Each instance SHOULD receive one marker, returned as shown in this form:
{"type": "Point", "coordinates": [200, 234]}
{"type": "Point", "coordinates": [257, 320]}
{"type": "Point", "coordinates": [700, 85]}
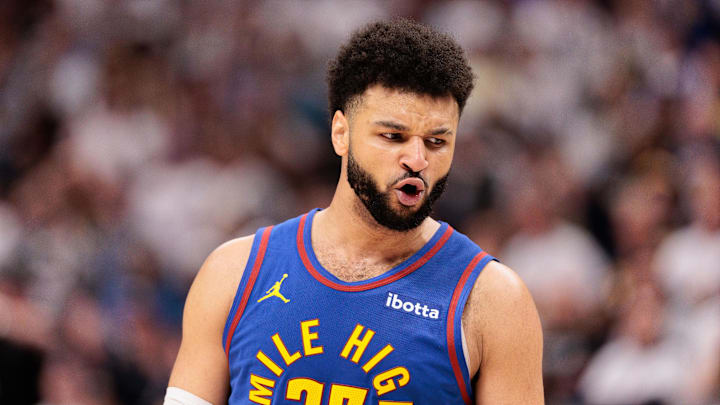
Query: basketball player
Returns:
{"type": "Point", "coordinates": [368, 301]}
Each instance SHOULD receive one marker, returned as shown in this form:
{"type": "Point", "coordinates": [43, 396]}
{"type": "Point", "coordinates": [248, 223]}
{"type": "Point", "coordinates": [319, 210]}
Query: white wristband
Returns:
{"type": "Point", "coordinates": [178, 396]}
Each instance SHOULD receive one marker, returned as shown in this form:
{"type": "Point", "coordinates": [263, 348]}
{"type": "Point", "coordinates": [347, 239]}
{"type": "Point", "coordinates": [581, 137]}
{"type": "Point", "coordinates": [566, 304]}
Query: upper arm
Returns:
{"type": "Point", "coordinates": [201, 366]}
{"type": "Point", "coordinates": [504, 329]}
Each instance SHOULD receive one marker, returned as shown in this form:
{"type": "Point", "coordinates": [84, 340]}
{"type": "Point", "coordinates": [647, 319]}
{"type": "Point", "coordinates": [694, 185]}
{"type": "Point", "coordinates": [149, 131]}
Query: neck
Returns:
{"type": "Point", "coordinates": [353, 232]}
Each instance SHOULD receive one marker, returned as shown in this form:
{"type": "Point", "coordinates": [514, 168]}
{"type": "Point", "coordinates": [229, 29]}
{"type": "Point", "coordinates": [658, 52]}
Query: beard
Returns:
{"type": "Point", "coordinates": [377, 203]}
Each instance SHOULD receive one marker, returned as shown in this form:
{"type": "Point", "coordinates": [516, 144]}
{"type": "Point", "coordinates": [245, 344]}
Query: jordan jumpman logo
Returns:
{"type": "Point", "coordinates": [274, 291]}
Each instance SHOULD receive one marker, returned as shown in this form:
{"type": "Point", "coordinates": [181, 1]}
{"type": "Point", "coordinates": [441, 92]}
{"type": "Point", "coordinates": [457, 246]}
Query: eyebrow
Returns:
{"type": "Point", "coordinates": [399, 127]}
{"type": "Point", "coordinates": [391, 124]}
{"type": "Point", "coordinates": [441, 131]}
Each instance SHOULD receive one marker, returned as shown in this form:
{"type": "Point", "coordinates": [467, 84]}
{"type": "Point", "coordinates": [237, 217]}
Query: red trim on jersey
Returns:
{"type": "Point", "coordinates": [248, 288]}
{"type": "Point", "coordinates": [451, 326]}
{"type": "Point", "coordinates": [363, 287]}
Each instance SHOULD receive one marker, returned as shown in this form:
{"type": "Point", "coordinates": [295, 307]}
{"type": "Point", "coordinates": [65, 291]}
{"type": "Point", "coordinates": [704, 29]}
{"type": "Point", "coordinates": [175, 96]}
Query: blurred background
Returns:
{"type": "Point", "coordinates": [136, 136]}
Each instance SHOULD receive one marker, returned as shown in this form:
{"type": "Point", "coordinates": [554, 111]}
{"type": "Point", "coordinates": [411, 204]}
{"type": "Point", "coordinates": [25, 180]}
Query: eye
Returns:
{"type": "Point", "coordinates": [393, 136]}
{"type": "Point", "coordinates": [435, 141]}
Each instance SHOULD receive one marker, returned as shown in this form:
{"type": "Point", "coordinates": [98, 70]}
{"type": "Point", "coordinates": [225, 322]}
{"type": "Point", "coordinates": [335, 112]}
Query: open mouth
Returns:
{"type": "Point", "coordinates": [410, 191]}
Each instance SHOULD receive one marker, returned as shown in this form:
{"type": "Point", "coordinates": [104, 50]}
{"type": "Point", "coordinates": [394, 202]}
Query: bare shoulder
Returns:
{"type": "Point", "coordinates": [499, 304]}
{"type": "Point", "coordinates": [222, 271]}
{"type": "Point", "coordinates": [504, 338]}
{"type": "Point", "coordinates": [499, 288]}
{"type": "Point", "coordinates": [229, 256]}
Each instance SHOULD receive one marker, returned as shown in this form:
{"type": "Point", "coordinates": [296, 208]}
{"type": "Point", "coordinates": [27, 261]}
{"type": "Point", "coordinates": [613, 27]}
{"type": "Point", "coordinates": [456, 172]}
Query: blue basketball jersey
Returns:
{"type": "Point", "coordinates": [296, 333]}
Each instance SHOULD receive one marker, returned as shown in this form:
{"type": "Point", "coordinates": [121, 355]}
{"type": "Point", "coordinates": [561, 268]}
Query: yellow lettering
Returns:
{"type": "Point", "coordinates": [261, 391]}
{"type": "Point", "coordinates": [376, 358]}
{"type": "Point", "coordinates": [289, 359]}
{"type": "Point", "coordinates": [269, 363]}
{"type": "Point", "coordinates": [308, 337]}
{"type": "Point", "coordinates": [355, 341]}
{"type": "Point", "coordinates": [313, 390]}
{"type": "Point", "coordinates": [354, 395]}
{"type": "Point", "coordinates": [384, 382]}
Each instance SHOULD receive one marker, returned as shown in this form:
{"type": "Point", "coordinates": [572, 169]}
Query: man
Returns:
{"type": "Point", "coordinates": [384, 304]}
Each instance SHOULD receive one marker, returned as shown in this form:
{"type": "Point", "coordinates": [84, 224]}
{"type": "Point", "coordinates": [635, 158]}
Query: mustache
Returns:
{"type": "Point", "coordinates": [410, 174]}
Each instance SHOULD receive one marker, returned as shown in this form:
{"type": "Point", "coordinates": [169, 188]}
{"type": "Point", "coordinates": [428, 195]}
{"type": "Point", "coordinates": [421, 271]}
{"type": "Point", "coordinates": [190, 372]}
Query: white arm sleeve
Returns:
{"type": "Point", "coordinates": [178, 396]}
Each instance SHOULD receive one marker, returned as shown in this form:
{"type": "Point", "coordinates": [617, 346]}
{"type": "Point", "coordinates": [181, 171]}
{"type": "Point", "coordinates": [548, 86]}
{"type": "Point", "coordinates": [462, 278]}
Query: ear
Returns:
{"type": "Point", "coordinates": [340, 133]}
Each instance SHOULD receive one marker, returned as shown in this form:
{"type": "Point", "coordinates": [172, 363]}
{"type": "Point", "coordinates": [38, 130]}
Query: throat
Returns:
{"type": "Point", "coordinates": [353, 251]}
{"type": "Point", "coordinates": [353, 268]}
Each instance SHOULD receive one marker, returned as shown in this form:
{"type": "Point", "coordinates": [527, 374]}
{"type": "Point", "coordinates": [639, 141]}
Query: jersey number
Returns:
{"type": "Point", "coordinates": [314, 391]}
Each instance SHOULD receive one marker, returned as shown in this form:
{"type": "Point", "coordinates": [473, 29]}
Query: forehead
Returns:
{"type": "Point", "coordinates": [379, 102]}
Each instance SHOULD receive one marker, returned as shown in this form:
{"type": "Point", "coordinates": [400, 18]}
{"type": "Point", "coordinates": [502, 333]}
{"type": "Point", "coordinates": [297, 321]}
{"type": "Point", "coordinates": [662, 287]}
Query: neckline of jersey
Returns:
{"type": "Point", "coordinates": [313, 266]}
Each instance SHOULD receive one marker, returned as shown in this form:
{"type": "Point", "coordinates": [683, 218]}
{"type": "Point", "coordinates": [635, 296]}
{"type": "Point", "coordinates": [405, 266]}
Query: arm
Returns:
{"type": "Point", "coordinates": [504, 339]}
{"type": "Point", "coordinates": [201, 367]}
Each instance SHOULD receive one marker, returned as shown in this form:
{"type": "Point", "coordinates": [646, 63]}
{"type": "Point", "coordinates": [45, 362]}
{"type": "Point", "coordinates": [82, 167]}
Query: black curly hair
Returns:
{"type": "Point", "coordinates": [400, 54]}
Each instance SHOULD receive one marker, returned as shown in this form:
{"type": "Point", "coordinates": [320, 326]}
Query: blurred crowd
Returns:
{"type": "Point", "coordinates": [136, 136]}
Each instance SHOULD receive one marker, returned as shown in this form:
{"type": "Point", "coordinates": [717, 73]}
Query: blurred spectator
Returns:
{"type": "Point", "coordinates": [688, 262]}
{"type": "Point", "coordinates": [649, 360]}
{"type": "Point", "coordinates": [200, 203]}
{"type": "Point", "coordinates": [641, 206]}
{"type": "Point", "coordinates": [569, 285]}
{"type": "Point", "coordinates": [638, 365]}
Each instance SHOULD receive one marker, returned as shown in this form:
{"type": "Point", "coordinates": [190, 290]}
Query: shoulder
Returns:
{"type": "Point", "coordinates": [227, 262]}
{"type": "Point", "coordinates": [228, 256]}
{"type": "Point", "coordinates": [215, 283]}
{"type": "Point", "coordinates": [495, 282]}
{"type": "Point", "coordinates": [499, 309]}
{"type": "Point", "coordinates": [497, 293]}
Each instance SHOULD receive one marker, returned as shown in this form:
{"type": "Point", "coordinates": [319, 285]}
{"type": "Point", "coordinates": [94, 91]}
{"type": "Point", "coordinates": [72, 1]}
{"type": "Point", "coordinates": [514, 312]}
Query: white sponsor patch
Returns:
{"type": "Point", "coordinates": [411, 306]}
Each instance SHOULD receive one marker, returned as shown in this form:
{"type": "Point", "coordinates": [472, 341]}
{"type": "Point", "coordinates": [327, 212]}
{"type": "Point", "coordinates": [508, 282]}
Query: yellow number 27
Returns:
{"type": "Point", "coordinates": [314, 391]}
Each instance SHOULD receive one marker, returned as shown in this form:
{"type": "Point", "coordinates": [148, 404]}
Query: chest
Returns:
{"type": "Point", "coordinates": [388, 343]}
{"type": "Point", "coordinates": [390, 332]}
{"type": "Point", "coordinates": [352, 269]}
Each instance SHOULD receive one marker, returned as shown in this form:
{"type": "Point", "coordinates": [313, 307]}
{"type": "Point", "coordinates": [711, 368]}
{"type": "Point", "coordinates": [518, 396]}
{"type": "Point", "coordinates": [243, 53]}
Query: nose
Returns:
{"type": "Point", "coordinates": [414, 156]}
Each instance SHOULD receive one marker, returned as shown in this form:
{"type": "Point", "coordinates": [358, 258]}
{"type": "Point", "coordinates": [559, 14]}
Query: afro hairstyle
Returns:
{"type": "Point", "coordinates": [398, 54]}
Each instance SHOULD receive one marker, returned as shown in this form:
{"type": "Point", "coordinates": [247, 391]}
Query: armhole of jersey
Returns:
{"type": "Point", "coordinates": [252, 268]}
{"type": "Point", "coordinates": [454, 323]}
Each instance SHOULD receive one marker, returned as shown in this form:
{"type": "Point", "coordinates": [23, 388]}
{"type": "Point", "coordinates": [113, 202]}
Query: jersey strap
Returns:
{"type": "Point", "coordinates": [257, 254]}
{"type": "Point", "coordinates": [454, 323]}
